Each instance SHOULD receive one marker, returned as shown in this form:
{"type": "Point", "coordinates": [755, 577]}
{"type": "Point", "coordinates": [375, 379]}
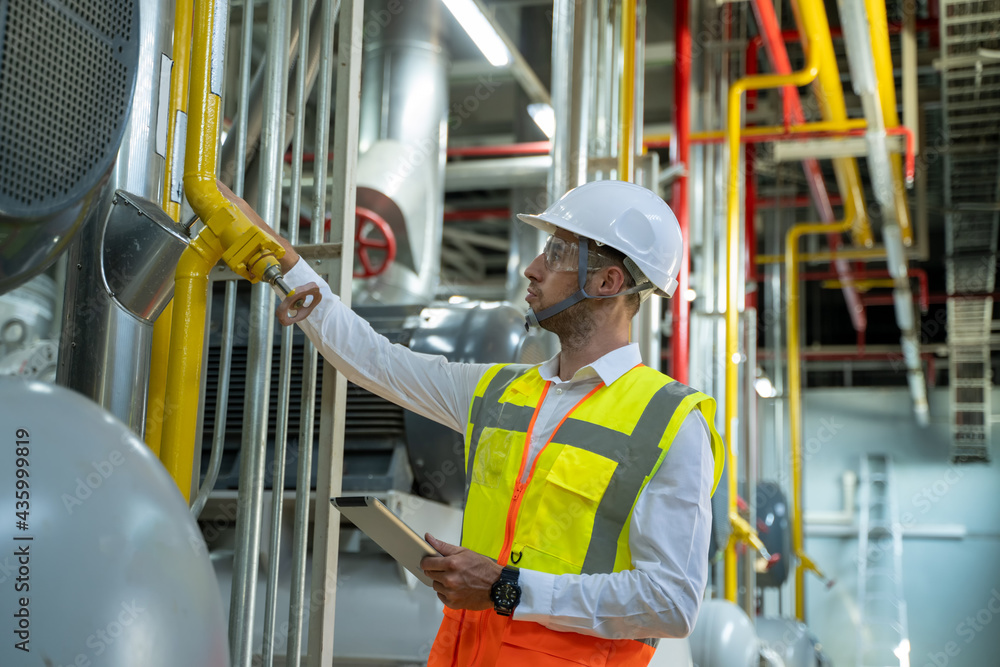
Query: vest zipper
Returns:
{"type": "Point", "coordinates": [515, 501]}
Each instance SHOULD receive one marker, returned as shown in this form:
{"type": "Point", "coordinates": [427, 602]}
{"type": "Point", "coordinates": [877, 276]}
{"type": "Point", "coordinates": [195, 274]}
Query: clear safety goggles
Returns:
{"type": "Point", "coordinates": [563, 255]}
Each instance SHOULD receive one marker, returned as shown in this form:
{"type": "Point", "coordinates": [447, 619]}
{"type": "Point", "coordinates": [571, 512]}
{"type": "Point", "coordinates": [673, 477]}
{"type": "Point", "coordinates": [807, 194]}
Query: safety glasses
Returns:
{"type": "Point", "coordinates": [563, 255]}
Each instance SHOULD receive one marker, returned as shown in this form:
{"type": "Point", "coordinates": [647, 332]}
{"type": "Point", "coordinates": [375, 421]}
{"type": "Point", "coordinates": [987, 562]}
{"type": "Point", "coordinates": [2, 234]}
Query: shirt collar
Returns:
{"type": "Point", "coordinates": [608, 368]}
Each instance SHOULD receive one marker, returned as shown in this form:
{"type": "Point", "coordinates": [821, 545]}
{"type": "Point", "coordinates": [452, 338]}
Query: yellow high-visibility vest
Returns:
{"type": "Point", "coordinates": [571, 515]}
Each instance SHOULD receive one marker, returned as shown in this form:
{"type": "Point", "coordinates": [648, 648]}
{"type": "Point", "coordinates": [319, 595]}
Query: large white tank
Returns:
{"type": "Point", "coordinates": [101, 563]}
{"type": "Point", "coordinates": [724, 636]}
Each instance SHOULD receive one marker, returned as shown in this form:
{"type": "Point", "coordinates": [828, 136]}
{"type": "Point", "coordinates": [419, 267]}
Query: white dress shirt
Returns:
{"type": "Point", "coordinates": [671, 522]}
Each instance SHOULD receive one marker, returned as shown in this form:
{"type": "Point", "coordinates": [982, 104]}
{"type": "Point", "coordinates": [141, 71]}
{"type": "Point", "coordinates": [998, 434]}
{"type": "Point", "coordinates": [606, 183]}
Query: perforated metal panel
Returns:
{"type": "Point", "coordinates": [67, 73]}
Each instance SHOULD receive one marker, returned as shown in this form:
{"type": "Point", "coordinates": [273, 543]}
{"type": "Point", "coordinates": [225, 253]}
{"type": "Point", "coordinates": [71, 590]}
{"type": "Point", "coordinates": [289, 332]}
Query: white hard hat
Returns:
{"type": "Point", "coordinates": [627, 217]}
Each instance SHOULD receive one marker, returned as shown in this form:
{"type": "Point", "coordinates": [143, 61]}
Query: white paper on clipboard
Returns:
{"type": "Point", "coordinates": [388, 531]}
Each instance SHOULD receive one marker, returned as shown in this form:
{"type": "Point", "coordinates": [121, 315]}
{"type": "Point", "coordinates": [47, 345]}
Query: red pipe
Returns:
{"type": "Point", "coordinates": [750, 225]}
{"type": "Point", "coordinates": [466, 214]}
{"type": "Point", "coordinates": [792, 202]}
{"type": "Point", "coordinates": [873, 274]}
{"type": "Point", "coordinates": [680, 340]}
{"type": "Point", "coordinates": [936, 298]}
{"type": "Point", "coordinates": [504, 150]}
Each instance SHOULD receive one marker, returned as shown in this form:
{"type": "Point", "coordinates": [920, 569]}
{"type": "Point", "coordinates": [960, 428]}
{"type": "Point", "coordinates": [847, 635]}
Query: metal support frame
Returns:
{"type": "Point", "coordinates": [326, 540]}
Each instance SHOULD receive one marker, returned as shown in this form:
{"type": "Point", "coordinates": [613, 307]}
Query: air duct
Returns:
{"type": "Point", "coordinates": [402, 139]}
{"type": "Point", "coordinates": [67, 74]}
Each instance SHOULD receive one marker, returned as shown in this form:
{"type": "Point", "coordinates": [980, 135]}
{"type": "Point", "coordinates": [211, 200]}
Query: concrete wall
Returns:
{"type": "Point", "coordinates": [952, 585]}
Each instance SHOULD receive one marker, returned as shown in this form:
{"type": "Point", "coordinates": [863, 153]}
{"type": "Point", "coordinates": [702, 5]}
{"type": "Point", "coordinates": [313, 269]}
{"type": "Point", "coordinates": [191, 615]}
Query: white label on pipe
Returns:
{"type": "Point", "coordinates": [219, 25]}
{"type": "Point", "coordinates": [163, 105]}
{"type": "Point", "coordinates": [177, 167]}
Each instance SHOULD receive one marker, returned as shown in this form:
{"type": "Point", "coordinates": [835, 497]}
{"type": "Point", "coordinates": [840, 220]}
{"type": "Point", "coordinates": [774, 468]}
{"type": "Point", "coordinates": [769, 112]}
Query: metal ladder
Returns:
{"type": "Point", "coordinates": [970, 96]}
{"type": "Point", "coordinates": [883, 638]}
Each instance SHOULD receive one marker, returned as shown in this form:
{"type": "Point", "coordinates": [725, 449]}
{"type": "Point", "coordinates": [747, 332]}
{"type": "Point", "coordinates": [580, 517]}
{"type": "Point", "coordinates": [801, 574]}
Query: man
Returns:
{"type": "Point", "coordinates": [589, 477]}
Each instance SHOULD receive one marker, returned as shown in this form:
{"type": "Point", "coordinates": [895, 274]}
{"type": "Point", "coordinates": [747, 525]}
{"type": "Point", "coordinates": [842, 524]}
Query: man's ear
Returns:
{"type": "Point", "coordinates": [612, 281]}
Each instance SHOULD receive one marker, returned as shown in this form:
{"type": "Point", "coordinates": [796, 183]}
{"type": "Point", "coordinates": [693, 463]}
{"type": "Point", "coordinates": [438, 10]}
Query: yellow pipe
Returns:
{"type": "Point", "coordinates": [228, 235]}
{"type": "Point", "coordinates": [159, 359]}
{"type": "Point", "coordinates": [626, 113]}
{"type": "Point", "coordinates": [817, 126]}
{"type": "Point", "coordinates": [857, 254]}
{"type": "Point", "coordinates": [795, 512]}
{"type": "Point", "coordinates": [184, 374]}
{"type": "Point", "coordinates": [735, 102]}
{"type": "Point", "coordinates": [810, 16]}
{"type": "Point", "coordinates": [878, 26]}
{"type": "Point", "coordinates": [158, 365]}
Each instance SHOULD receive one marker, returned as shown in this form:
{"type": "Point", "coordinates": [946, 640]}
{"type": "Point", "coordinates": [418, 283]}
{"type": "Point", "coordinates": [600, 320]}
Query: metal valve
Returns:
{"type": "Point", "coordinates": [297, 304]}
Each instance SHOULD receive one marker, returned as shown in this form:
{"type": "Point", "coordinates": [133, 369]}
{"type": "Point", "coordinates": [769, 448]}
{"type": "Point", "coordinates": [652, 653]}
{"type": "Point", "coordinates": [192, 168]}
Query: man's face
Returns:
{"type": "Point", "coordinates": [548, 287]}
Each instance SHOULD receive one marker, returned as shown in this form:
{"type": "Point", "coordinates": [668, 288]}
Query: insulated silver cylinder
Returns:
{"type": "Point", "coordinates": [404, 101]}
{"type": "Point", "coordinates": [104, 349]}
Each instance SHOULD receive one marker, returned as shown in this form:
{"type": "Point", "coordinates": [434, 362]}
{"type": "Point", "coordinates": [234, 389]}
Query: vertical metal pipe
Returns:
{"type": "Point", "coordinates": [679, 340]}
{"type": "Point", "coordinates": [254, 445]}
{"type": "Point", "coordinates": [285, 363]}
{"type": "Point", "coordinates": [750, 453]}
{"type": "Point", "coordinates": [331, 449]}
{"type": "Point", "coordinates": [221, 402]}
{"type": "Point", "coordinates": [567, 21]}
{"type": "Point", "coordinates": [303, 485]}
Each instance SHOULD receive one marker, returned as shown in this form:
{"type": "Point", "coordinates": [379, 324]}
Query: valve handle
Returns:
{"type": "Point", "coordinates": [383, 240]}
{"type": "Point", "coordinates": [298, 304]}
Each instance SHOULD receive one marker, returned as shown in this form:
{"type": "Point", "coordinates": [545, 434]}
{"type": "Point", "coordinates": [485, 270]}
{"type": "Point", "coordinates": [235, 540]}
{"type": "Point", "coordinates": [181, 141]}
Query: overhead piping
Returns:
{"type": "Point", "coordinates": [775, 46]}
{"type": "Point", "coordinates": [871, 62]}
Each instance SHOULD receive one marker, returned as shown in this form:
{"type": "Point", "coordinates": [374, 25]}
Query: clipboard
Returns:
{"type": "Point", "coordinates": [388, 531]}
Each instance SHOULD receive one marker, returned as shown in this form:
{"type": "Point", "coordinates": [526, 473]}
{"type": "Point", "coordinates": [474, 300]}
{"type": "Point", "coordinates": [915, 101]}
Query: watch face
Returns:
{"type": "Point", "coordinates": [506, 595]}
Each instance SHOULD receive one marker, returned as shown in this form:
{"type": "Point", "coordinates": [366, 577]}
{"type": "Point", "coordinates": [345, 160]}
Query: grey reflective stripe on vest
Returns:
{"type": "Point", "coordinates": [636, 455]}
{"type": "Point", "coordinates": [487, 410]}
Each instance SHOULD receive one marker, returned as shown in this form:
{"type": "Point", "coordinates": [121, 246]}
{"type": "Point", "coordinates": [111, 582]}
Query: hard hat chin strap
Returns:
{"type": "Point", "coordinates": [533, 319]}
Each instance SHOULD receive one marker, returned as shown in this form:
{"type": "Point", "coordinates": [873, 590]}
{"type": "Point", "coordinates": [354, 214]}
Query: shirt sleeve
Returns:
{"type": "Point", "coordinates": [427, 384]}
{"type": "Point", "coordinates": [668, 537]}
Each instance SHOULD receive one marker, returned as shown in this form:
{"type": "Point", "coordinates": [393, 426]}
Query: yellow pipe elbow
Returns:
{"type": "Point", "coordinates": [792, 260]}
{"type": "Point", "coordinates": [187, 334]}
{"type": "Point", "coordinates": [733, 128]}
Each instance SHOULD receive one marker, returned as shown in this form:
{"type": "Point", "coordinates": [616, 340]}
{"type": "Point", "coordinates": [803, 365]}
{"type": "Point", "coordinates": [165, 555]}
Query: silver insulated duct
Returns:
{"type": "Point", "coordinates": [120, 272]}
{"type": "Point", "coordinates": [402, 139]}
{"type": "Point", "coordinates": [67, 72]}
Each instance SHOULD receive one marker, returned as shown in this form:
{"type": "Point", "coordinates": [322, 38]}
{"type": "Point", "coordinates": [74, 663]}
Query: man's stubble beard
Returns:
{"type": "Point", "coordinates": [574, 326]}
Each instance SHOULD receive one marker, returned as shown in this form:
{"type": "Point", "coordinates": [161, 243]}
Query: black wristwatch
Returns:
{"type": "Point", "coordinates": [506, 593]}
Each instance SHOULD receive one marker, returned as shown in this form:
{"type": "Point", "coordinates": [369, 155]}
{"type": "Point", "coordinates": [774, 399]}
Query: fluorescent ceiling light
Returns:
{"type": "Point", "coordinates": [474, 22]}
{"type": "Point", "coordinates": [544, 117]}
